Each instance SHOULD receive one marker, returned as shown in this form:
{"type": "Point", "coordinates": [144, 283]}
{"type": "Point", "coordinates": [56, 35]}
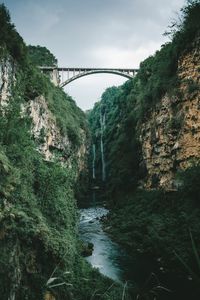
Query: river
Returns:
{"type": "Point", "coordinates": [109, 257]}
{"type": "Point", "coordinates": [113, 261]}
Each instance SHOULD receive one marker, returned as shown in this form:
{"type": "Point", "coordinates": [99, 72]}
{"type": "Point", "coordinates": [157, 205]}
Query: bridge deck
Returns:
{"type": "Point", "coordinates": [57, 73]}
{"type": "Point", "coordinates": [48, 68]}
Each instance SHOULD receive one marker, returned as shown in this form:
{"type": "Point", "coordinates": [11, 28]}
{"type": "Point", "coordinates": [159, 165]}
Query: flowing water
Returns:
{"type": "Point", "coordinates": [93, 161]}
{"type": "Point", "coordinates": [107, 255]}
{"type": "Point", "coordinates": [110, 258]}
{"type": "Point", "coordinates": [103, 124]}
{"type": "Point", "coordinates": [114, 262]}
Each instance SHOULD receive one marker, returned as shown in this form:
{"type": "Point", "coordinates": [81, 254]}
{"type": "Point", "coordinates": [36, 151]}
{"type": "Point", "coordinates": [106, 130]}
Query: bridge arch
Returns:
{"type": "Point", "coordinates": [56, 73]}
{"type": "Point", "coordinates": [126, 75]}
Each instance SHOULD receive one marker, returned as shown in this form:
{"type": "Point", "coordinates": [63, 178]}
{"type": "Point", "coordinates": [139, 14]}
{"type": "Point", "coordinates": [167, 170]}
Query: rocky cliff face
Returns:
{"type": "Point", "coordinates": [37, 196]}
{"type": "Point", "coordinates": [171, 137]}
{"type": "Point", "coordinates": [51, 142]}
{"type": "Point", "coordinates": [7, 78]}
{"type": "Point", "coordinates": [45, 130]}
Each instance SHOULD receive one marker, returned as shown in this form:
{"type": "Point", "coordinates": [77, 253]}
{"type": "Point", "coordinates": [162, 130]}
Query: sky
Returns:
{"type": "Point", "coordinates": [95, 33]}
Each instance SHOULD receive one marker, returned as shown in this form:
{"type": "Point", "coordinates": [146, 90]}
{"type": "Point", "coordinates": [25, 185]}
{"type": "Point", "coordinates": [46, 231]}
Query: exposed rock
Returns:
{"type": "Point", "coordinates": [171, 137]}
{"type": "Point", "coordinates": [7, 78]}
{"type": "Point", "coordinates": [87, 249]}
{"type": "Point", "coordinates": [54, 77]}
{"type": "Point", "coordinates": [45, 130]}
{"type": "Point", "coordinates": [51, 142]}
{"type": "Point", "coordinates": [49, 296]}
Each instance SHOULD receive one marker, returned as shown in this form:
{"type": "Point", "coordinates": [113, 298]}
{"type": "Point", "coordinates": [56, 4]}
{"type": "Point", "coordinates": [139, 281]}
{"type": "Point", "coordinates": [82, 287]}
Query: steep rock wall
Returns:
{"type": "Point", "coordinates": [51, 142]}
{"type": "Point", "coordinates": [45, 130]}
{"type": "Point", "coordinates": [37, 191]}
{"type": "Point", "coordinates": [170, 138]}
{"type": "Point", "coordinates": [7, 78]}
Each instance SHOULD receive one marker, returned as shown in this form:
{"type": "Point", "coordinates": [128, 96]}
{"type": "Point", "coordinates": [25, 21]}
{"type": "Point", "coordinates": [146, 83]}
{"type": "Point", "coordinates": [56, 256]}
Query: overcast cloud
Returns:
{"type": "Point", "coordinates": [95, 33]}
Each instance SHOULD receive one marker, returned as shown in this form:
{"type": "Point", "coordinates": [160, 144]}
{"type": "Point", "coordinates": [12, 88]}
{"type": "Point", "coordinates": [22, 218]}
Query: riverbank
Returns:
{"type": "Point", "coordinates": [146, 226]}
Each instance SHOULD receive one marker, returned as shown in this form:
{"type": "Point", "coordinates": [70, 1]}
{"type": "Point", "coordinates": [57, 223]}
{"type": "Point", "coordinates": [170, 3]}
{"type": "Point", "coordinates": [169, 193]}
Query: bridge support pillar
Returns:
{"type": "Point", "coordinates": [54, 77]}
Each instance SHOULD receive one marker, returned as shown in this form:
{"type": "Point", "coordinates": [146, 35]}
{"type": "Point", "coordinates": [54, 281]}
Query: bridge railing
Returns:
{"type": "Point", "coordinates": [57, 73]}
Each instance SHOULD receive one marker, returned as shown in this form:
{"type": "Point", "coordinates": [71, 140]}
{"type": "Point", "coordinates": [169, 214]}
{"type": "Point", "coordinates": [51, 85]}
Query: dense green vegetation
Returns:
{"type": "Point", "coordinates": [127, 106]}
{"type": "Point", "coordinates": [37, 212]}
{"type": "Point", "coordinates": [158, 224]}
{"type": "Point", "coordinates": [122, 153]}
{"type": "Point", "coordinates": [10, 40]}
{"type": "Point", "coordinates": [40, 251]}
{"type": "Point", "coordinates": [41, 56]}
{"type": "Point", "coordinates": [153, 222]}
{"type": "Point", "coordinates": [158, 74]}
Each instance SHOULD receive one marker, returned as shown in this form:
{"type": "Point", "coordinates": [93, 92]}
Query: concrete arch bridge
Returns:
{"type": "Point", "coordinates": [63, 76]}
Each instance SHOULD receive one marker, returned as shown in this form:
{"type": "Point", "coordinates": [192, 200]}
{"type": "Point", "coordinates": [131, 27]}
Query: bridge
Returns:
{"type": "Point", "coordinates": [63, 76]}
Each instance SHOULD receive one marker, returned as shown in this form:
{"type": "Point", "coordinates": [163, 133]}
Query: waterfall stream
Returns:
{"type": "Point", "coordinates": [93, 161]}
{"type": "Point", "coordinates": [102, 123]}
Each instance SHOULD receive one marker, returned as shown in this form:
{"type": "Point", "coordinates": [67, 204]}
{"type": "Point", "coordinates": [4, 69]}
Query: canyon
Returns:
{"type": "Point", "coordinates": [137, 153]}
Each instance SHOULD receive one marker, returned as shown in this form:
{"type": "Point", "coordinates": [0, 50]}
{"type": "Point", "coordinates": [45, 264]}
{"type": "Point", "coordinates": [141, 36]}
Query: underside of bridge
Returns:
{"type": "Point", "coordinates": [63, 76]}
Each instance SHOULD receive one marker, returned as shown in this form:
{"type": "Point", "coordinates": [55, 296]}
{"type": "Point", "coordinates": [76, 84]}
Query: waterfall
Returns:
{"type": "Point", "coordinates": [102, 124]}
{"type": "Point", "coordinates": [93, 161]}
{"type": "Point", "coordinates": [94, 198]}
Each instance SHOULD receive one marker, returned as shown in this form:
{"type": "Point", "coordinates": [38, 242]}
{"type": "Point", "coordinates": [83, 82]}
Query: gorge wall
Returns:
{"type": "Point", "coordinates": [152, 150]}
{"type": "Point", "coordinates": [152, 123]}
{"type": "Point", "coordinates": [43, 152]}
{"type": "Point", "coordinates": [144, 133]}
{"type": "Point", "coordinates": [7, 78]}
{"type": "Point", "coordinates": [170, 138]}
{"type": "Point", "coordinates": [40, 164]}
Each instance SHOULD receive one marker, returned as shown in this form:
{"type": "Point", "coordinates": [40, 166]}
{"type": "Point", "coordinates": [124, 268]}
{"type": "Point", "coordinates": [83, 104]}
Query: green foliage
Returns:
{"type": "Point", "coordinates": [38, 216]}
{"type": "Point", "coordinates": [95, 286]}
{"type": "Point", "coordinates": [175, 123]}
{"type": "Point", "coordinates": [122, 153]}
{"type": "Point", "coordinates": [10, 40]}
{"type": "Point", "coordinates": [38, 209]}
{"type": "Point", "coordinates": [24, 219]}
{"type": "Point", "coordinates": [41, 56]}
{"type": "Point", "coordinates": [154, 222]}
{"type": "Point", "coordinates": [42, 136]}
{"type": "Point", "coordinates": [35, 83]}
{"type": "Point", "coordinates": [192, 86]}
{"type": "Point", "coordinates": [70, 118]}
{"type": "Point", "coordinates": [126, 107]}
{"type": "Point", "coordinates": [184, 32]}
{"type": "Point", "coordinates": [9, 176]}
{"type": "Point", "coordinates": [190, 183]}
{"type": "Point", "coordinates": [157, 222]}
{"type": "Point", "coordinates": [158, 74]}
